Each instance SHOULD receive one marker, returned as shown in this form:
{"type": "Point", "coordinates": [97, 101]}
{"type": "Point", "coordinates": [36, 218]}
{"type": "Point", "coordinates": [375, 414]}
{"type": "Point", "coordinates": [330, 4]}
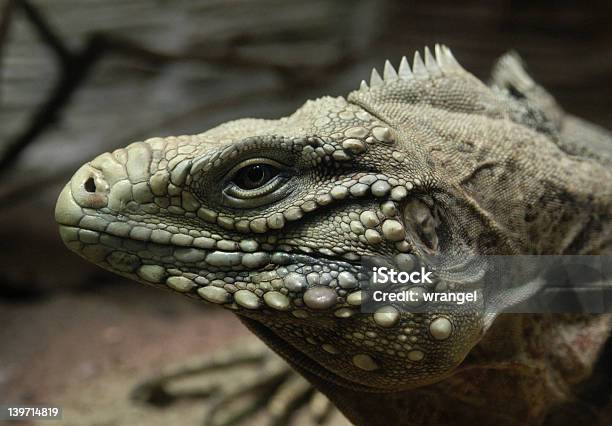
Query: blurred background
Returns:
{"type": "Point", "coordinates": [78, 78]}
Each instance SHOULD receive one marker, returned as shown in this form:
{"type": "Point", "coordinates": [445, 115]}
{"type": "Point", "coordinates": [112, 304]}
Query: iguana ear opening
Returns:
{"type": "Point", "coordinates": [438, 81]}
{"type": "Point", "coordinates": [422, 222]}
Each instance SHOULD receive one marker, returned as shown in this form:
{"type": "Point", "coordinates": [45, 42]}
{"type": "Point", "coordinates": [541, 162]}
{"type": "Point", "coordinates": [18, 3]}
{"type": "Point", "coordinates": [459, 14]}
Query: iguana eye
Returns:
{"type": "Point", "coordinates": [255, 182]}
{"type": "Point", "coordinates": [255, 176]}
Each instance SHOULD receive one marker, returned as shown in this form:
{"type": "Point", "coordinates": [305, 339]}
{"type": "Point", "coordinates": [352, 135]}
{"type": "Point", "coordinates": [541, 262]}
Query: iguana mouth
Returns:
{"type": "Point", "coordinates": [216, 275]}
{"type": "Point", "coordinates": [236, 257]}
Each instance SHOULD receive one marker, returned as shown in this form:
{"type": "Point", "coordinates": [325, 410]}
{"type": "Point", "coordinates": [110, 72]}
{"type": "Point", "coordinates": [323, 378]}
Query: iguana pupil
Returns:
{"type": "Point", "coordinates": [252, 177]}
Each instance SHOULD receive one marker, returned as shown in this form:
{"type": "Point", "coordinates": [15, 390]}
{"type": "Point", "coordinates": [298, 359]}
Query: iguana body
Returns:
{"type": "Point", "coordinates": [271, 218]}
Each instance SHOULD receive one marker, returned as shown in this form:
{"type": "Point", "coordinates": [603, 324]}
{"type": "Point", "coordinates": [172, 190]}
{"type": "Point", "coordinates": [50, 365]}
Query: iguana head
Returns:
{"type": "Point", "coordinates": [274, 218]}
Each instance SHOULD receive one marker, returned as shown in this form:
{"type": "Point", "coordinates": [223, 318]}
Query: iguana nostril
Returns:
{"type": "Point", "coordinates": [90, 185]}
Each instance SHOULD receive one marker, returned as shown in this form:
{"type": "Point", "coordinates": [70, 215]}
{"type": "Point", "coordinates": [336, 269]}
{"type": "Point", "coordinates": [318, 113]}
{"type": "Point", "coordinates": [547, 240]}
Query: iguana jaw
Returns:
{"type": "Point", "coordinates": [304, 325]}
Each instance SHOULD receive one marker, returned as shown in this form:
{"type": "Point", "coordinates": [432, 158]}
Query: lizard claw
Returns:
{"type": "Point", "coordinates": [238, 383]}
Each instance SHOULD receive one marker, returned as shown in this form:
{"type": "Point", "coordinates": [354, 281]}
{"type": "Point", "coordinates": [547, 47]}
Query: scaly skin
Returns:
{"type": "Point", "coordinates": [272, 219]}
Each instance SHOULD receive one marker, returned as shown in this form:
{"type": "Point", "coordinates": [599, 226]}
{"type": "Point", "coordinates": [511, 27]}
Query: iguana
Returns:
{"type": "Point", "coordinates": [271, 219]}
